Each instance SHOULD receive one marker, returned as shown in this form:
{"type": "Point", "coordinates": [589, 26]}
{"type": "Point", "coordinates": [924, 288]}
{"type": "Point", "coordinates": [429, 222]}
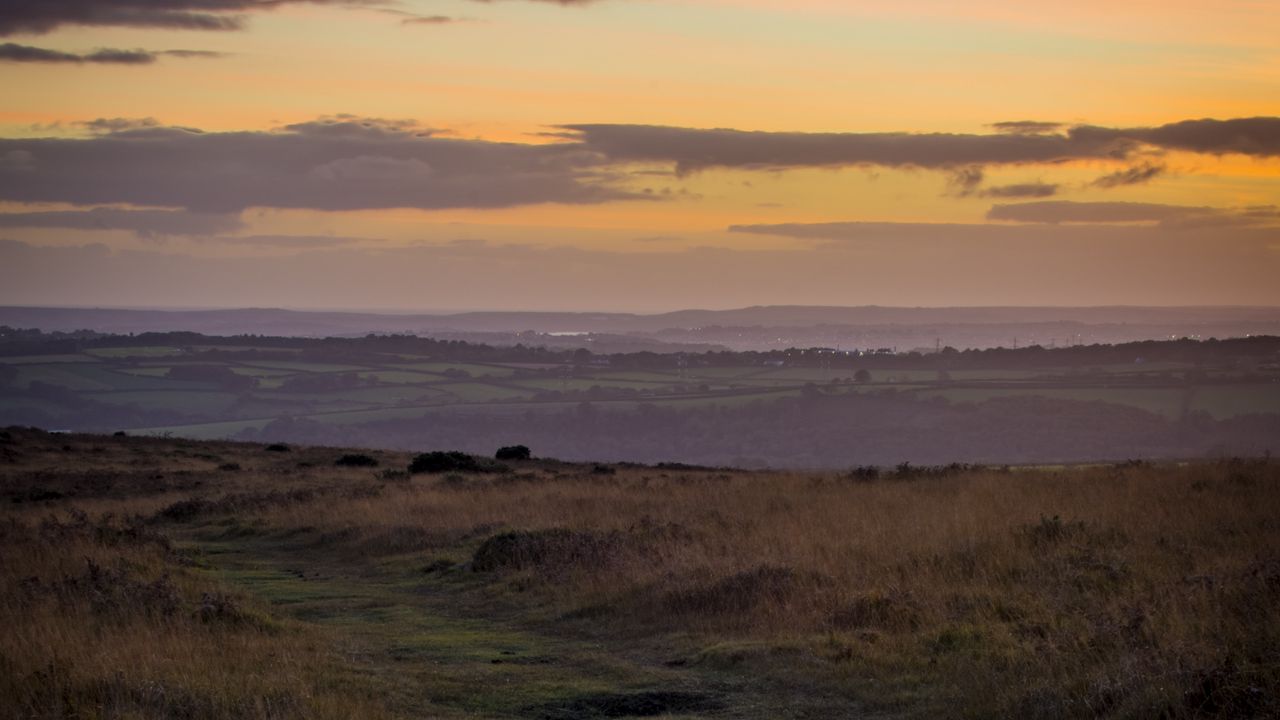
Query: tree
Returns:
{"type": "Point", "coordinates": [862, 376]}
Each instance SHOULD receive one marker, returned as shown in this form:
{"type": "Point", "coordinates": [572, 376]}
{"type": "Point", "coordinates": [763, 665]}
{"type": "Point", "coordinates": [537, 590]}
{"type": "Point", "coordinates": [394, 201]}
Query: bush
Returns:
{"type": "Point", "coordinates": [277, 447]}
{"type": "Point", "coordinates": [355, 460]}
{"type": "Point", "coordinates": [438, 461]}
{"type": "Point", "coordinates": [513, 452]}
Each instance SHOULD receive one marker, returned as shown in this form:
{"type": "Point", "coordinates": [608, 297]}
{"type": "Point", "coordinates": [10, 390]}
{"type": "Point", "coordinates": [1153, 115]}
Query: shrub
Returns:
{"type": "Point", "coordinates": [355, 460]}
{"type": "Point", "coordinates": [277, 447]}
{"type": "Point", "coordinates": [438, 461]}
{"type": "Point", "coordinates": [513, 452]}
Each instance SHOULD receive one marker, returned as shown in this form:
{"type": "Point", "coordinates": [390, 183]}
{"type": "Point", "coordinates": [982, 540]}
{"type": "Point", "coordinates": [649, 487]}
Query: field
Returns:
{"type": "Point", "coordinates": [159, 578]}
{"type": "Point", "coordinates": [158, 389]}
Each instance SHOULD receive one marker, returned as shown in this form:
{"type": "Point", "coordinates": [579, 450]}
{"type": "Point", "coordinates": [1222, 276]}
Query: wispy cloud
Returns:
{"type": "Point", "coordinates": [12, 52]}
{"type": "Point", "coordinates": [43, 16]}
{"type": "Point", "coordinates": [1167, 216]}
{"type": "Point", "coordinates": [1135, 175]}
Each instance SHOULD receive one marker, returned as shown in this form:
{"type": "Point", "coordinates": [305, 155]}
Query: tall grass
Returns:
{"type": "Point", "coordinates": [1130, 591]}
{"type": "Point", "coordinates": [1113, 591]}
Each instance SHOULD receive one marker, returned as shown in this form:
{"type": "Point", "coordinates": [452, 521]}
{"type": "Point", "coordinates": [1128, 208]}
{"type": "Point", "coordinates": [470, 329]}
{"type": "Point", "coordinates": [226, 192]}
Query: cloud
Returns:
{"type": "Point", "coordinates": [411, 18]}
{"type": "Point", "coordinates": [1018, 143]}
{"type": "Point", "coordinates": [1021, 190]}
{"type": "Point", "coordinates": [12, 52]}
{"type": "Point", "coordinates": [982, 237]}
{"type": "Point", "coordinates": [339, 163]}
{"type": "Point", "coordinates": [198, 54]}
{"type": "Point", "coordinates": [145, 223]}
{"type": "Point", "coordinates": [37, 17]}
{"type": "Point", "coordinates": [965, 181]}
{"type": "Point", "coordinates": [110, 125]}
{"type": "Point", "coordinates": [1256, 136]}
{"type": "Point", "coordinates": [1027, 127]}
{"type": "Point", "coordinates": [285, 241]}
{"type": "Point", "coordinates": [430, 20]}
{"type": "Point", "coordinates": [695, 149]}
{"type": "Point", "coordinates": [1167, 216]}
{"type": "Point", "coordinates": [1135, 175]}
{"type": "Point", "coordinates": [42, 16]}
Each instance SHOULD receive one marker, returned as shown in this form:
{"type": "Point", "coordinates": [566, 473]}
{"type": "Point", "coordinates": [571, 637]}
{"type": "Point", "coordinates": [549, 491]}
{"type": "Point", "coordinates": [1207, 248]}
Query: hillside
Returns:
{"type": "Point", "coordinates": [159, 578]}
{"type": "Point", "coordinates": [814, 407]}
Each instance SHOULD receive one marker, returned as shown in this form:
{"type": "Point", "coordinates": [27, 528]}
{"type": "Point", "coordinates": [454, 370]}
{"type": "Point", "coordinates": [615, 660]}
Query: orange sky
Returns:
{"type": "Point", "coordinates": [867, 112]}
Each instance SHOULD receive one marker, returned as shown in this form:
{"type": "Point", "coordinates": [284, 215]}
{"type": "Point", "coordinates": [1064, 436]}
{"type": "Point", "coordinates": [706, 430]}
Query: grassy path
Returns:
{"type": "Point", "coordinates": [418, 642]}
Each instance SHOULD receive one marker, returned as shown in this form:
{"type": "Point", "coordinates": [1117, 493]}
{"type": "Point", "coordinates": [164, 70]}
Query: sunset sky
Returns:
{"type": "Point", "coordinates": [640, 155]}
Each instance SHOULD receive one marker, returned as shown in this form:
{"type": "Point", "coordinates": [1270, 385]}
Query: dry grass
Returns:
{"type": "Point", "coordinates": [1131, 592]}
{"type": "Point", "coordinates": [103, 619]}
{"type": "Point", "coordinates": [1126, 591]}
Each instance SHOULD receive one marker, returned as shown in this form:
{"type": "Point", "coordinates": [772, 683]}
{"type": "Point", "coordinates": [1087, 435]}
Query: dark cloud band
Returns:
{"type": "Point", "coordinates": [43, 16]}
{"type": "Point", "coordinates": [337, 164]}
{"type": "Point", "coordinates": [696, 149]}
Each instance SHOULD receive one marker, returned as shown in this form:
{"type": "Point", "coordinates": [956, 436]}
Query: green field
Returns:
{"type": "Point", "coordinates": [132, 352]}
{"type": "Point", "coordinates": [206, 402]}
{"type": "Point", "coordinates": [303, 367]}
{"type": "Point", "coordinates": [332, 390]}
{"type": "Point", "coordinates": [475, 369]}
{"type": "Point", "coordinates": [1220, 401]}
{"type": "Point", "coordinates": [46, 359]}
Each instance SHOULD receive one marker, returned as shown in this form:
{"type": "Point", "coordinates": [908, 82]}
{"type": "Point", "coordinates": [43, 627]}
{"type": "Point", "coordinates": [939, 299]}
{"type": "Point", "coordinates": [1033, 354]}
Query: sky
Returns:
{"type": "Point", "coordinates": [638, 155]}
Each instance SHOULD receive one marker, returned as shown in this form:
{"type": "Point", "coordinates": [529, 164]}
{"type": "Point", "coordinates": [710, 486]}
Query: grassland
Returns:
{"type": "Point", "coordinates": [159, 578]}
{"type": "Point", "coordinates": [149, 392]}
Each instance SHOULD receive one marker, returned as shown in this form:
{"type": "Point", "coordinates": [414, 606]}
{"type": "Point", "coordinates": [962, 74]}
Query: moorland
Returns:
{"type": "Point", "coordinates": [151, 577]}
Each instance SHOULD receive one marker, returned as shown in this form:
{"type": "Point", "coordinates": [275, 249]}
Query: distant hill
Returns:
{"type": "Point", "coordinates": [745, 328]}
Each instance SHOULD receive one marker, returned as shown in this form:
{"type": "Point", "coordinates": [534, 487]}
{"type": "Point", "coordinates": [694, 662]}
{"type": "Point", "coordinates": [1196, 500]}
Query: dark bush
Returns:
{"type": "Point", "coordinates": [230, 467]}
{"type": "Point", "coordinates": [277, 447]}
{"type": "Point", "coordinates": [513, 452]}
{"type": "Point", "coordinates": [355, 460]}
{"type": "Point", "coordinates": [865, 472]}
{"type": "Point", "coordinates": [451, 461]}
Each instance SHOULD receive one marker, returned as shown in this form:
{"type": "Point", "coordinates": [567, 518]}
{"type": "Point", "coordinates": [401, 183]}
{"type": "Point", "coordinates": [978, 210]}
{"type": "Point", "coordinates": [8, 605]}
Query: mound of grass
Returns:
{"type": "Point", "coordinates": [549, 548]}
